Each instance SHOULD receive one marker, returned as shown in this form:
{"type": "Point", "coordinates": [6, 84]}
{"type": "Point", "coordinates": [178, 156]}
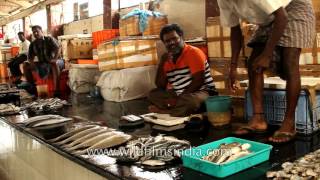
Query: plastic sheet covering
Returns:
{"type": "Point", "coordinates": [82, 77]}
{"type": "Point", "coordinates": [127, 84]}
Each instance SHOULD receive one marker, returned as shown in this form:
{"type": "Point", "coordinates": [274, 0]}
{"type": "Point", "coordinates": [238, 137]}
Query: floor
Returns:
{"type": "Point", "coordinates": [109, 113]}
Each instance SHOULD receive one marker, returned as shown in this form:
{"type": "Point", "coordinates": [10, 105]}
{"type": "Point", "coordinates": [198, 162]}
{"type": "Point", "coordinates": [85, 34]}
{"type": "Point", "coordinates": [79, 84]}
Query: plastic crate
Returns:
{"type": "Point", "coordinates": [192, 158]}
{"type": "Point", "coordinates": [274, 104]}
{"type": "Point", "coordinates": [103, 35]}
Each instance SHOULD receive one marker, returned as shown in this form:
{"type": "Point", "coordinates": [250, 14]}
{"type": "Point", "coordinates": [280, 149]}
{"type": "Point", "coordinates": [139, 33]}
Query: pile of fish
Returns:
{"type": "Point", "coordinates": [151, 151]}
{"type": "Point", "coordinates": [45, 120]}
{"type": "Point", "coordinates": [8, 109]}
{"type": "Point", "coordinates": [81, 140]}
{"type": "Point", "coordinates": [307, 167]}
{"type": "Point", "coordinates": [46, 105]}
{"type": "Point", "coordinates": [228, 152]}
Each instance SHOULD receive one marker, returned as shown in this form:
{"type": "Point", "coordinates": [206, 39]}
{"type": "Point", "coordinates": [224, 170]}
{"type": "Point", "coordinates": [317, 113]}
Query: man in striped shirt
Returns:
{"type": "Point", "coordinates": [183, 78]}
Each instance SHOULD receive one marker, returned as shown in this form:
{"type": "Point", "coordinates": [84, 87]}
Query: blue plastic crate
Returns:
{"type": "Point", "coordinates": [307, 119]}
{"type": "Point", "coordinates": [192, 158]}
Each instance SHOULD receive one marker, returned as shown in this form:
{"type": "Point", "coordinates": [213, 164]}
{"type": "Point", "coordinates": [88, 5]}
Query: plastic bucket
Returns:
{"type": "Point", "coordinates": [218, 109]}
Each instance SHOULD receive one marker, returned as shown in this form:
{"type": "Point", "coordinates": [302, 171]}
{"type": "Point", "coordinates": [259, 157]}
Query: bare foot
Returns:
{"type": "Point", "coordinates": [257, 123]}
{"type": "Point", "coordinates": [286, 132]}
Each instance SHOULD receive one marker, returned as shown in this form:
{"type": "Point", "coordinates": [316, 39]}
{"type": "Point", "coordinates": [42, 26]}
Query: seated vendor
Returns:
{"type": "Point", "coordinates": [183, 77]}
{"type": "Point", "coordinates": [47, 51]}
{"type": "Point", "coordinates": [15, 62]}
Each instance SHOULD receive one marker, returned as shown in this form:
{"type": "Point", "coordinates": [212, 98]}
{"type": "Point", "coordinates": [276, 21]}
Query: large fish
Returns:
{"type": "Point", "coordinates": [72, 132]}
{"type": "Point", "coordinates": [111, 141]}
{"type": "Point", "coordinates": [31, 121]}
{"type": "Point", "coordinates": [50, 122]}
{"type": "Point", "coordinates": [78, 135]}
{"type": "Point", "coordinates": [88, 136]}
{"type": "Point", "coordinates": [92, 141]}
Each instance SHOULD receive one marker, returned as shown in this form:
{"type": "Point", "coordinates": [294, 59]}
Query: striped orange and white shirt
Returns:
{"type": "Point", "coordinates": [191, 61]}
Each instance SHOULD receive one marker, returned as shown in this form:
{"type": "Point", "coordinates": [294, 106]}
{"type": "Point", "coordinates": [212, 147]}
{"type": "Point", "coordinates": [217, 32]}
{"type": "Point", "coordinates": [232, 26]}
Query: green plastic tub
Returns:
{"type": "Point", "coordinates": [191, 158]}
{"type": "Point", "coordinates": [218, 103]}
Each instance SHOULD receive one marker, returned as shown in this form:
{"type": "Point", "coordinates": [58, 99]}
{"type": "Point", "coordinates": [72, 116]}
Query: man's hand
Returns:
{"type": "Point", "coordinates": [232, 78]}
{"type": "Point", "coordinates": [262, 62]}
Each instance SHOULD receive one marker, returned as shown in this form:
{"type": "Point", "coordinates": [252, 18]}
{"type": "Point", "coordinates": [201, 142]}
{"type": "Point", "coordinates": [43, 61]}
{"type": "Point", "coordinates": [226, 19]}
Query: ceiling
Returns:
{"type": "Point", "coordinates": [11, 7]}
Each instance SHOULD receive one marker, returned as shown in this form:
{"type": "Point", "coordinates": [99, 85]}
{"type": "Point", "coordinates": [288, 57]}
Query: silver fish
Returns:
{"type": "Point", "coordinates": [72, 132]}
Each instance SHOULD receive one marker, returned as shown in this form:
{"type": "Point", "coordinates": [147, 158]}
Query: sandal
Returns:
{"type": "Point", "coordinates": [282, 137]}
{"type": "Point", "coordinates": [249, 130]}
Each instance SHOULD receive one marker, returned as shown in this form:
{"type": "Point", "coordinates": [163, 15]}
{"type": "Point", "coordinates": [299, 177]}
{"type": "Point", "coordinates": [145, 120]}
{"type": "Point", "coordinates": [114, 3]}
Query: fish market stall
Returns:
{"type": "Point", "coordinates": [56, 146]}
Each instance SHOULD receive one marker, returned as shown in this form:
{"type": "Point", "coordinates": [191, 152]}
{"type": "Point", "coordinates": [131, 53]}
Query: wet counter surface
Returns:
{"type": "Point", "coordinates": [109, 113]}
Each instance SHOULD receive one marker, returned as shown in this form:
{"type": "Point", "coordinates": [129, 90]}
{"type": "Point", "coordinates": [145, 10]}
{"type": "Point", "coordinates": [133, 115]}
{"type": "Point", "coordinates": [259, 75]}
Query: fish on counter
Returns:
{"type": "Point", "coordinates": [152, 151]}
{"type": "Point", "coordinates": [88, 137]}
{"type": "Point", "coordinates": [71, 133]}
{"type": "Point", "coordinates": [36, 119]}
{"type": "Point", "coordinates": [306, 167]}
{"type": "Point", "coordinates": [226, 153]}
{"type": "Point", "coordinates": [78, 135]}
{"type": "Point", "coordinates": [116, 139]}
{"type": "Point", "coordinates": [8, 109]}
{"type": "Point", "coordinates": [45, 105]}
{"type": "Point", "coordinates": [90, 142]}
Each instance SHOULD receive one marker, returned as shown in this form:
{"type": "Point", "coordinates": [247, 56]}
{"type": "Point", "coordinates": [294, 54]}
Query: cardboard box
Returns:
{"type": "Point", "coordinates": [78, 46]}
{"type": "Point", "coordinates": [130, 26]}
{"type": "Point", "coordinates": [127, 53]}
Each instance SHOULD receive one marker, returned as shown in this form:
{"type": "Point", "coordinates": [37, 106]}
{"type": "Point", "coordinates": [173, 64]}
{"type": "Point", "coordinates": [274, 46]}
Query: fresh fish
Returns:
{"type": "Point", "coordinates": [88, 136]}
{"type": "Point", "coordinates": [111, 141]}
{"type": "Point", "coordinates": [78, 135]}
{"type": "Point", "coordinates": [237, 155]}
{"type": "Point", "coordinates": [92, 141]}
{"type": "Point", "coordinates": [153, 162]}
{"type": "Point", "coordinates": [50, 121]}
{"type": "Point", "coordinates": [29, 121]}
{"type": "Point", "coordinates": [72, 132]}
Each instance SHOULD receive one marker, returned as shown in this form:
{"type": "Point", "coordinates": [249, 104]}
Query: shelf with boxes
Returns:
{"type": "Point", "coordinates": [220, 71]}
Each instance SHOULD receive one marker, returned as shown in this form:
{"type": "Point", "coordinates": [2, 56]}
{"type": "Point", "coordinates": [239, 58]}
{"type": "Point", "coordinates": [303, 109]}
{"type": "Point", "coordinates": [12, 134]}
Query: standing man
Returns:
{"type": "Point", "coordinates": [47, 51]}
{"type": "Point", "coordinates": [285, 27]}
{"type": "Point", "coordinates": [15, 62]}
{"type": "Point", "coordinates": [185, 70]}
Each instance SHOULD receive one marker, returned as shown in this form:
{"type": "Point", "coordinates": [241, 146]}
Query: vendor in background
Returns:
{"type": "Point", "coordinates": [15, 62]}
{"type": "Point", "coordinates": [47, 51]}
{"type": "Point", "coordinates": [185, 70]}
{"type": "Point", "coordinates": [285, 27]}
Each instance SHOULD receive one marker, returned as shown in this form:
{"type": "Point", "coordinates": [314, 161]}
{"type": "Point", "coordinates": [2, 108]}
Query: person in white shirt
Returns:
{"type": "Point", "coordinates": [15, 62]}
{"type": "Point", "coordinates": [285, 26]}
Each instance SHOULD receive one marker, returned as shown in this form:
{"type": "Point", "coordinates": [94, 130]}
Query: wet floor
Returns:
{"type": "Point", "coordinates": [109, 113]}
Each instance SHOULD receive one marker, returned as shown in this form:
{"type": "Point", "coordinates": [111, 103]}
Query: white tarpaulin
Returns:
{"type": "Point", "coordinates": [82, 77]}
{"type": "Point", "coordinates": [127, 84]}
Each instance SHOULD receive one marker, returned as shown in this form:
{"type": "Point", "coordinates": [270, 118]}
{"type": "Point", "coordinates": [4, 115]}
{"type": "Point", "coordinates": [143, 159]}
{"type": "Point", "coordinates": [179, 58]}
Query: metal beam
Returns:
{"type": "Point", "coordinates": [28, 11]}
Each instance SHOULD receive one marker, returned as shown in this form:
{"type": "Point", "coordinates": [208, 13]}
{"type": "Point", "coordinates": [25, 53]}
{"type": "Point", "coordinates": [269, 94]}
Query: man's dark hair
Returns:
{"type": "Point", "coordinates": [169, 28]}
{"type": "Point", "coordinates": [36, 27]}
{"type": "Point", "coordinates": [21, 33]}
